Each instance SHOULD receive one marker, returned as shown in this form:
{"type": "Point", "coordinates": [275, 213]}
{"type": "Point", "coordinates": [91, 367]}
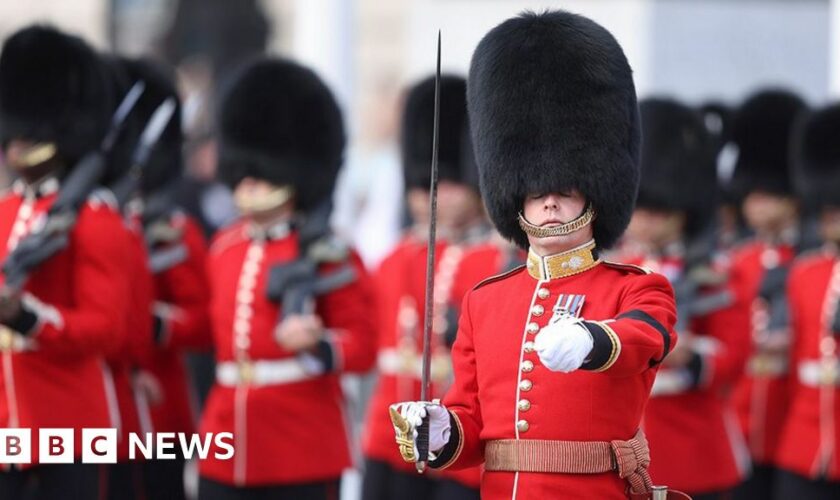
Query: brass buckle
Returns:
{"type": "Point", "coordinates": [246, 371]}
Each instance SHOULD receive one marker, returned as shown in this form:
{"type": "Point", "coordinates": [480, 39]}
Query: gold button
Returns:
{"type": "Point", "coordinates": [242, 342]}
{"type": "Point", "coordinates": [525, 385]}
{"type": "Point", "coordinates": [255, 252]}
{"type": "Point", "coordinates": [527, 366]}
{"type": "Point", "coordinates": [6, 339]}
{"type": "Point", "coordinates": [533, 327]}
{"type": "Point", "coordinates": [827, 346]}
{"type": "Point", "coordinates": [524, 405]}
{"type": "Point", "coordinates": [537, 310]}
{"type": "Point", "coordinates": [522, 426]}
{"type": "Point", "coordinates": [543, 293]}
{"type": "Point", "coordinates": [528, 346]}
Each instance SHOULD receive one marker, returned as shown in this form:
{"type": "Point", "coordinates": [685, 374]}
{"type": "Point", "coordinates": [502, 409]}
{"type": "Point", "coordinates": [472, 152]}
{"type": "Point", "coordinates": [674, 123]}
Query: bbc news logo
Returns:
{"type": "Point", "coordinates": [99, 446]}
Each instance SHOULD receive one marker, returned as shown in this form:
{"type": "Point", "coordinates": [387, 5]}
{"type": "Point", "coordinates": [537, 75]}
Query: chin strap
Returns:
{"type": "Point", "coordinates": [578, 223]}
{"type": "Point", "coordinates": [249, 203]}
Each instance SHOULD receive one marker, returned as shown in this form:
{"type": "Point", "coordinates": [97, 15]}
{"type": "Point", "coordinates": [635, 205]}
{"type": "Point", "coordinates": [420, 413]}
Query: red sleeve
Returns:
{"type": "Point", "coordinates": [465, 448]}
{"type": "Point", "coordinates": [641, 334]}
{"type": "Point", "coordinates": [96, 322]}
{"type": "Point", "coordinates": [722, 360]}
{"type": "Point", "coordinates": [139, 320]}
{"type": "Point", "coordinates": [184, 295]}
{"type": "Point", "coordinates": [348, 314]}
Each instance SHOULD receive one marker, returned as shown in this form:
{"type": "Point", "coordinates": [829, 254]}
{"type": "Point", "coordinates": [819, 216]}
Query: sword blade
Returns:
{"type": "Point", "coordinates": [425, 381]}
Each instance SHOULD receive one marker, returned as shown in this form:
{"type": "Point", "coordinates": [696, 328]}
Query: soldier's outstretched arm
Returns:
{"type": "Point", "coordinates": [641, 334]}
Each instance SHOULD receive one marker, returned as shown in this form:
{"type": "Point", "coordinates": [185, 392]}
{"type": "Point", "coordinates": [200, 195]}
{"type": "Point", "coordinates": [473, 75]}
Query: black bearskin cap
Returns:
{"type": "Point", "coordinates": [166, 161]}
{"type": "Point", "coordinates": [279, 122]}
{"type": "Point", "coordinates": [761, 131]}
{"type": "Point", "coordinates": [53, 88]}
{"type": "Point", "coordinates": [679, 172]}
{"type": "Point", "coordinates": [455, 162]}
{"type": "Point", "coordinates": [816, 157]}
{"type": "Point", "coordinates": [552, 108]}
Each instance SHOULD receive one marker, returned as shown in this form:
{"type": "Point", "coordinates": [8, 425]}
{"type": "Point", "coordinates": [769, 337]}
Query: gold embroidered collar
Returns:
{"type": "Point", "coordinates": [560, 265]}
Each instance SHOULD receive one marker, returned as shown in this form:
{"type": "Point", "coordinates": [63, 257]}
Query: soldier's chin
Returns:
{"type": "Point", "coordinates": [552, 244]}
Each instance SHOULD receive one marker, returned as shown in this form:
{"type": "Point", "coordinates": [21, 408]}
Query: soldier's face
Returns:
{"type": "Point", "coordinates": [765, 212]}
{"type": "Point", "coordinates": [830, 224]}
{"type": "Point", "coordinates": [554, 209]}
{"type": "Point", "coordinates": [458, 206]}
{"type": "Point", "coordinates": [654, 229]}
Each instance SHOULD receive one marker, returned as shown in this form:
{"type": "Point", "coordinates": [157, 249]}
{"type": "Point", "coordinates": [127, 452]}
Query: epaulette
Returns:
{"type": "Point", "coordinates": [627, 267]}
{"type": "Point", "coordinates": [498, 277]}
{"type": "Point", "coordinates": [226, 237]}
{"type": "Point", "coordinates": [102, 196]}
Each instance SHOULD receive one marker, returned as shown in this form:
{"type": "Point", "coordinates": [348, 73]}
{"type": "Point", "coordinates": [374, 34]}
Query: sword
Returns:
{"type": "Point", "coordinates": [425, 381]}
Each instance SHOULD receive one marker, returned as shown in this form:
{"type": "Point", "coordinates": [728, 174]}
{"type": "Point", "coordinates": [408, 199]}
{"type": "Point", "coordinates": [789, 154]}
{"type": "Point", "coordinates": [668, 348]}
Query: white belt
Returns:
{"type": "Point", "coordinates": [262, 372]}
{"type": "Point", "coordinates": [670, 381]}
{"type": "Point", "coordinates": [818, 373]}
{"type": "Point", "coordinates": [393, 362]}
{"type": "Point", "coordinates": [767, 365]}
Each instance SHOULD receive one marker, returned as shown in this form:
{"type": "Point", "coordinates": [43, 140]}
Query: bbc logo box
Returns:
{"type": "Point", "coordinates": [99, 446]}
{"type": "Point", "coordinates": [57, 446]}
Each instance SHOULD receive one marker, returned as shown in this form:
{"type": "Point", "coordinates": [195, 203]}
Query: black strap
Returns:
{"type": "Point", "coordinates": [646, 318]}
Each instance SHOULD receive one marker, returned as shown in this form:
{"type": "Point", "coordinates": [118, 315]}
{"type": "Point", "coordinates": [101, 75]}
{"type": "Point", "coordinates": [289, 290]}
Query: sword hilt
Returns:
{"type": "Point", "coordinates": [423, 444]}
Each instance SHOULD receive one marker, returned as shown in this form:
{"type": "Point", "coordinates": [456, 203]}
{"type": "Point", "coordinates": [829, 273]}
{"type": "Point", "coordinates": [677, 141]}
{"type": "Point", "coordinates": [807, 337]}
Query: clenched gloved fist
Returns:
{"type": "Point", "coordinates": [409, 415]}
{"type": "Point", "coordinates": [563, 346]}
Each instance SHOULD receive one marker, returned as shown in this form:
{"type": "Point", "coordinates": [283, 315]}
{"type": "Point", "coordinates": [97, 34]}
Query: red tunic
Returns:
{"type": "Point", "coordinates": [291, 432]}
{"type": "Point", "coordinates": [810, 444]}
{"type": "Point", "coordinates": [121, 364]}
{"type": "Point", "coordinates": [56, 377]}
{"type": "Point", "coordinates": [501, 391]}
{"type": "Point", "coordinates": [761, 396]}
{"type": "Point", "coordinates": [181, 299]}
{"type": "Point", "coordinates": [695, 442]}
{"type": "Point", "coordinates": [400, 289]}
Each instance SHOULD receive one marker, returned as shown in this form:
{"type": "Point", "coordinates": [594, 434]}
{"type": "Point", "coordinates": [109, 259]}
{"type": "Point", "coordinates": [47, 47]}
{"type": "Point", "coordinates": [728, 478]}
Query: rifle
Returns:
{"type": "Point", "coordinates": [698, 274]}
{"type": "Point", "coordinates": [125, 187]}
{"type": "Point", "coordinates": [160, 203]}
{"type": "Point", "coordinates": [54, 235]}
{"type": "Point", "coordinates": [294, 284]}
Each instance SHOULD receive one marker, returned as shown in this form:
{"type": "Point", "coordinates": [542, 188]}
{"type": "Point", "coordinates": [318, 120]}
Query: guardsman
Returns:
{"type": "Point", "coordinates": [762, 181]}
{"type": "Point", "coordinates": [177, 256]}
{"type": "Point", "coordinates": [554, 360]}
{"type": "Point", "coordinates": [291, 309]}
{"type": "Point", "coordinates": [55, 106]}
{"type": "Point", "coordinates": [399, 285]}
{"type": "Point", "coordinates": [688, 418]}
{"type": "Point", "coordinates": [808, 456]}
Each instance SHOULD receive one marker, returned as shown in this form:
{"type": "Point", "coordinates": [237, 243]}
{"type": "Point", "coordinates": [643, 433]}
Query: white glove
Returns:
{"type": "Point", "coordinates": [409, 415]}
{"type": "Point", "coordinates": [563, 346]}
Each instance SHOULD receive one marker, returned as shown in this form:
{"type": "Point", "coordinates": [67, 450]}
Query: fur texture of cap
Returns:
{"type": "Point", "coordinates": [678, 162]}
{"type": "Point", "coordinates": [552, 108]}
{"type": "Point", "coordinates": [454, 163]}
{"type": "Point", "coordinates": [279, 122]}
{"type": "Point", "coordinates": [816, 157]}
{"type": "Point", "coordinates": [761, 131]}
{"type": "Point", "coordinates": [166, 161]}
{"type": "Point", "coordinates": [53, 88]}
